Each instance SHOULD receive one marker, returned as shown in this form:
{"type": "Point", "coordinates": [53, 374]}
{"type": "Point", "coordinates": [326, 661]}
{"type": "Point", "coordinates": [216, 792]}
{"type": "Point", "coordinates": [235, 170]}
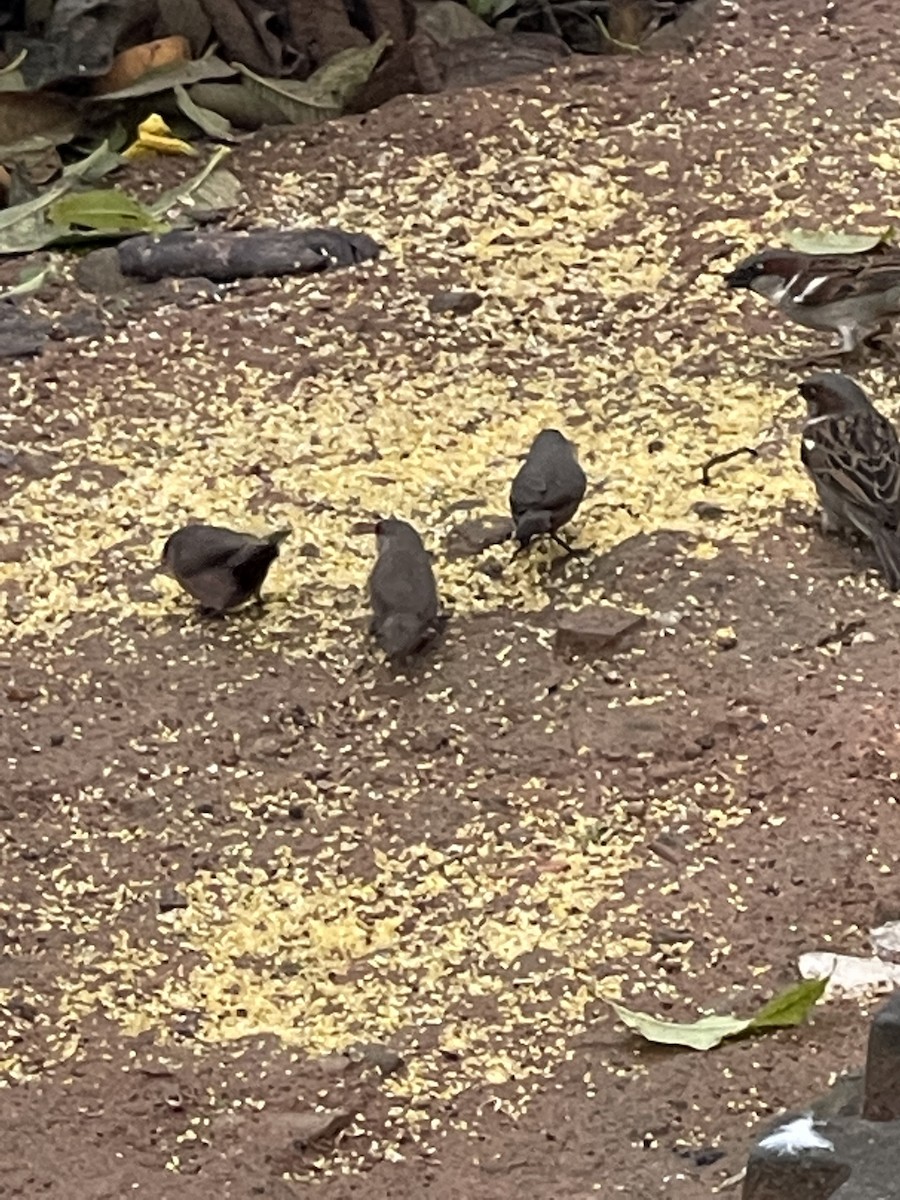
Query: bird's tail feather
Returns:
{"type": "Point", "coordinates": [887, 547]}
{"type": "Point", "coordinates": [401, 634]}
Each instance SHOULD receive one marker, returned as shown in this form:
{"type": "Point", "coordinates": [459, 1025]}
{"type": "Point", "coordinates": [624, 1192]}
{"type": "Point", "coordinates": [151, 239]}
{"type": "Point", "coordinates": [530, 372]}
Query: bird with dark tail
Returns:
{"type": "Point", "coordinates": [218, 567]}
{"type": "Point", "coordinates": [547, 490]}
{"type": "Point", "coordinates": [402, 592]}
{"type": "Point", "coordinates": [852, 454]}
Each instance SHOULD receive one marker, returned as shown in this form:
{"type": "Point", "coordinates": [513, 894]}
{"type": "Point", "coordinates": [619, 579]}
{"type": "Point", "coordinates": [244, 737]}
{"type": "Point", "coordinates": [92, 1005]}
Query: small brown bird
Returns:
{"type": "Point", "coordinates": [218, 567]}
{"type": "Point", "coordinates": [853, 456]}
{"type": "Point", "coordinates": [547, 490]}
{"type": "Point", "coordinates": [402, 591]}
{"type": "Point", "coordinates": [856, 296]}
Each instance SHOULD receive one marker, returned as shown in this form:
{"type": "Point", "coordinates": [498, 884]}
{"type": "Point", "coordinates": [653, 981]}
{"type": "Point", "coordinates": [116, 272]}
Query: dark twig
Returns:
{"type": "Point", "coordinates": [726, 456]}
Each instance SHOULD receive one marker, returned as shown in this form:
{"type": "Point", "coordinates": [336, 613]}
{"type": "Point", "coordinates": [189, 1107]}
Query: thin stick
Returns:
{"type": "Point", "coordinates": [718, 459]}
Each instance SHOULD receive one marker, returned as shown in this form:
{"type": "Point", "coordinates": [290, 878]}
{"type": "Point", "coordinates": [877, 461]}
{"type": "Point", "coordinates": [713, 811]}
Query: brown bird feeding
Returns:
{"type": "Point", "coordinates": [852, 454]}
{"type": "Point", "coordinates": [218, 567]}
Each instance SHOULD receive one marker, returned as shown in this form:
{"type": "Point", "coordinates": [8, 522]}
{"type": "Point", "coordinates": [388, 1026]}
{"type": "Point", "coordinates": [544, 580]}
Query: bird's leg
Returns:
{"type": "Point", "coordinates": [571, 550]}
{"type": "Point", "coordinates": [879, 340]}
{"type": "Point", "coordinates": [850, 338]}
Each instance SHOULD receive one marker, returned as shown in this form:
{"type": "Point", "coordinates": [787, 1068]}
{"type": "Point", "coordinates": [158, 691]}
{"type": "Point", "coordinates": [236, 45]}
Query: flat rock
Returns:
{"type": "Point", "coordinates": [477, 534]}
{"type": "Point", "coordinates": [597, 631]}
{"type": "Point", "coordinates": [458, 304]}
{"type": "Point", "coordinates": [170, 899]}
{"type": "Point", "coordinates": [807, 1174]}
{"type": "Point", "coordinates": [100, 272]}
{"type": "Point", "coordinates": [387, 1060]}
{"type": "Point", "coordinates": [302, 1129]}
{"type": "Point", "coordinates": [20, 334]}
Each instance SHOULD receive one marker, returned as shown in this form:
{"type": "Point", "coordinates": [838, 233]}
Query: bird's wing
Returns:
{"type": "Point", "coordinates": [828, 278]}
{"type": "Point", "coordinates": [196, 549]}
{"type": "Point", "coordinates": [529, 489]}
{"type": "Point", "coordinates": [403, 583]}
{"type": "Point", "coordinates": [858, 455]}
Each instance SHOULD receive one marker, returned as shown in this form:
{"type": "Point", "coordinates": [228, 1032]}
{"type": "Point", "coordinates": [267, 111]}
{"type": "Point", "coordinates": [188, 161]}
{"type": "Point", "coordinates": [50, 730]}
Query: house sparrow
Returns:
{"type": "Point", "coordinates": [547, 490]}
{"type": "Point", "coordinates": [853, 455]}
{"type": "Point", "coordinates": [402, 591]}
{"type": "Point", "coordinates": [218, 567]}
{"type": "Point", "coordinates": [853, 295]}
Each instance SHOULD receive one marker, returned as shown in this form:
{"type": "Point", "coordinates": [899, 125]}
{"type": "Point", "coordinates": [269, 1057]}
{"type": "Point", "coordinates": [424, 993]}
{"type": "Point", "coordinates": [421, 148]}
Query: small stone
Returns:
{"type": "Point", "coordinates": [297, 812]}
{"type": "Point", "coordinates": [170, 899]}
{"type": "Point", "coordinates": [19, 1007]}
{"type": "Point", "coordinates": [709, 512]}
{"type": "Point", "coordinates": [20, 334]}
{"type": "Point", "coordinates": [57, 739]}
{"type": "Point", "coordinates": [457, 303]}
{"type": "Point", "coordinates": [378, 1055]}
{"type": "Point", "coordinates": [491, 568]}
{"type": "Point", "coordinates": [305, 1128]}
{"type": "Point", "coordinates": [79, 324]}
{"type": "Point", "coordinates": [11, 552]}
{"type": "Point", "coordinates": [188, 1024]}
{"type": "Point", "coordinates": [479, 533]}
{"type": "Point", "coordinates": [309, 550]}
{"type": "Point", "coordinates": [100, 272]}
{"type": "Point", "coordinates": [597, 631]}
{"type": "Point", "coordinates": [267, 746]}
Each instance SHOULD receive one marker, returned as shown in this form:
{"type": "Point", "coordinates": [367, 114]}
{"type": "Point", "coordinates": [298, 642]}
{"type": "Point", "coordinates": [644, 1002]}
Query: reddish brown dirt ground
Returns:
{"type": "Point", "coordinates": [677, 823]}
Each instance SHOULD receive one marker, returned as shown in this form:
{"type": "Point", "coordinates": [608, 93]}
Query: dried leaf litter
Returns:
{"type": "Point", "coordinates": [558, 227]}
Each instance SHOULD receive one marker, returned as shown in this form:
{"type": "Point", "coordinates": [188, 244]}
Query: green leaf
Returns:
{"type": "Point", "coordinates": [95, 165]}
{"type": "Point", "coordinates": [30, 280]}
{"type": "Point", "coordinates": [11, 78]}
{"type": "Point", "coordinates": [185, 194]}
{"type": "Point", "coordinates": [238, 103]}
{"type": "Point", "coordinates": [788, 1008]}
{"type": "Point", "coordinates": [698, 1035]}
{"type": "Point", "coordinates": [106, 210]}
{"type": "Point", "coordinates": [213, 124]}
{"type": "Point", "coordinates": [824, 241]}
{"type": "Point", "coordinates": [327, 91]}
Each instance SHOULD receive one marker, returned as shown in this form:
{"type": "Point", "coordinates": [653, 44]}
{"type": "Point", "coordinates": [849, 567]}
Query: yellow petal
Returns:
{"type": "Point", "coordinates": [155, 137]}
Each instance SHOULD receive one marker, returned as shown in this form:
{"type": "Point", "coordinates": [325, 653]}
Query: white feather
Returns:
{"type": "Point", "coordinates": [785, 290]}
{"type": "Point", "coordinates": [795, 1137]}
{"type": "Point", "coordinates": [811, 287]}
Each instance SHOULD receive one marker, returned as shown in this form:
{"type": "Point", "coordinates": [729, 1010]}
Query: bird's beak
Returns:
{"type": "Point", "coordinates": [740, 277]}
{"type": "Point", "coordinates": [363, 528]}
